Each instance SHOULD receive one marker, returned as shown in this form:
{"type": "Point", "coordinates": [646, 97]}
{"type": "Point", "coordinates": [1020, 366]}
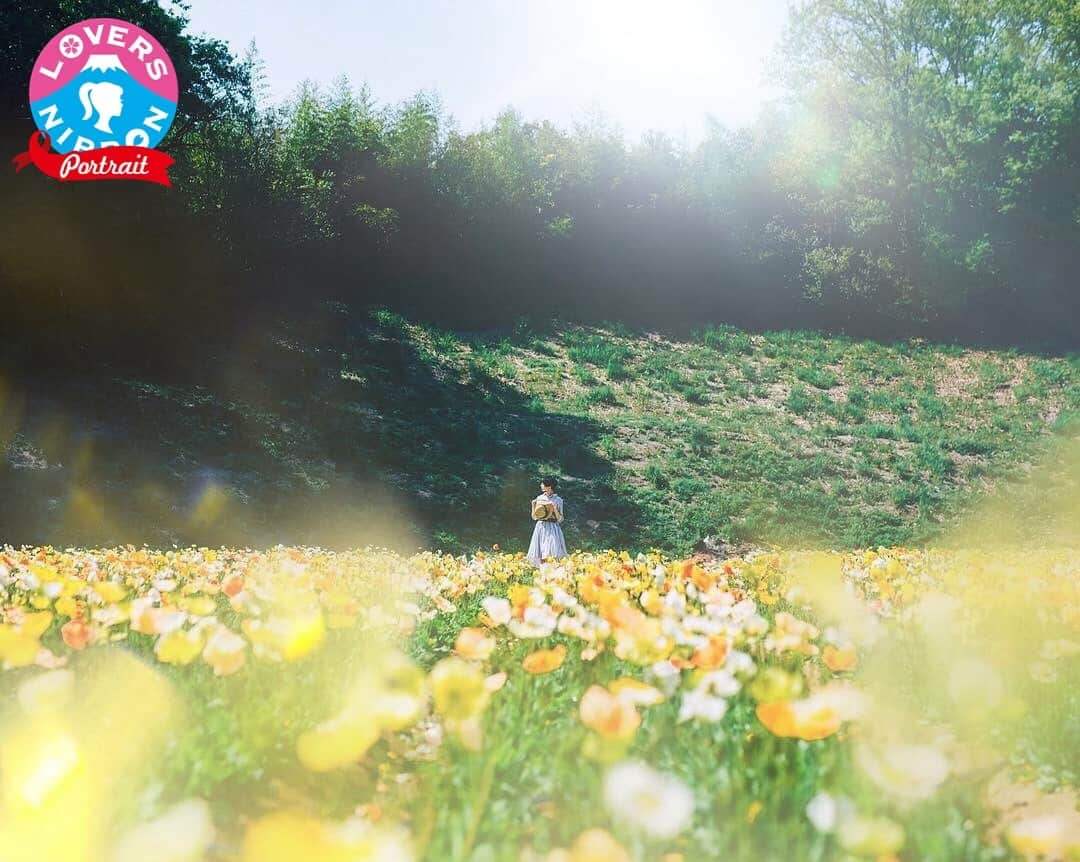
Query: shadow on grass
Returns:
{"type": "Point", "coordinates": [332, 430]}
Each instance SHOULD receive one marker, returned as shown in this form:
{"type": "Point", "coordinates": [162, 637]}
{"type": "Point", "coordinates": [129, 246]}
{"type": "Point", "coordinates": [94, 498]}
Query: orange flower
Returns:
{"type": "Point", "coordinates": [839, 659]}
{"type": "Point", "coordinates": [76, 633]}
{"type": "Point", "coordinates": [815, 717]}
{"type": "Point", "coordinates": [544, 660]}
{"type": "Point", "coordinates": [608, 714]}
{"type": "Point", "coordinates": [702, 579]}
{"type": "Point", "coordinates": [711, 655]}
{"type": "Point", "coordinates": [474, 644]}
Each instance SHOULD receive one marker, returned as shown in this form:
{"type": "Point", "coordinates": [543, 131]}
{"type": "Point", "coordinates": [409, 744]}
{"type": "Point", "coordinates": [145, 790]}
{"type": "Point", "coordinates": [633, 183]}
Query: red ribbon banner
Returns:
{"type": "Point", "coordinates": [105, 163]}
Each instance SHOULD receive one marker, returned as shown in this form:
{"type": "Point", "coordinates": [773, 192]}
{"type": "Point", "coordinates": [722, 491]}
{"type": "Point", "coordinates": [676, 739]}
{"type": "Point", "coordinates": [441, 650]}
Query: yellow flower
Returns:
{"type": "Point", "coordinates": [870, 836]}
{"type": "Point", "coordinates": [773, 684]}
{"type": "Point", "coordinates": [474, 644]}
{"type": "Point", "coordinates": [597, 845]}
{"type": "Point", "coordinates": [179, 646]}
{"type": "Point", "coordinates": [399, 698]}
{"type": "Point", "coordinates": [290, 638]}
{"type": "Point", "coordinates": [110, 591]}
{"type": "Point", "coordinates": [288, 837]}
{"type": "Point", "coordinates": [225, 651]}
{"type": "Point", "coordinates": [67, 606]}
{"type": "Point", "coordinates": [35, 625]}
{"type": "Point", "coordinates": [283, 837]}
{"type": "Point", "coordinates": [1036, 836]}
{"type": "Point", "coordinates": [458, 689]}
{"type": "Point", "coordinates": [544, 660]}
{"type": "Point", "coordinates": [339, 742]}
{"type": "Point", "coordinates": [200, 606]}
{"type": "Point", "coordinates": [302, 636]}
{"type": "Point", "coordinates": [18, 648]}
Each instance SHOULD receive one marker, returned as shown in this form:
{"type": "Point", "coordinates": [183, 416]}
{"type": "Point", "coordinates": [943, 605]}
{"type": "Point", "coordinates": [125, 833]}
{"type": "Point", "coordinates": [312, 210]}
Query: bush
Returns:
{"type": "Point", "coordinates": [726, 339]}
{"type": "Point", "coordinates": [798, 401]}
{"type": "Point", "coordinates": [820, 378]}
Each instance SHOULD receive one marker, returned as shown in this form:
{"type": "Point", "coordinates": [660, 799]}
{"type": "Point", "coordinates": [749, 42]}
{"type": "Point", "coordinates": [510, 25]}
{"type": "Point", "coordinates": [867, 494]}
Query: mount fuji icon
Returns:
{"type": "Point", "coordinates": [104, 63]}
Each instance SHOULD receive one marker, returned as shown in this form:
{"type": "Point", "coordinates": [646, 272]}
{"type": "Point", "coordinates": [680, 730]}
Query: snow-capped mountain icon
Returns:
{"type": "Point", "coordinates": [103, 63]}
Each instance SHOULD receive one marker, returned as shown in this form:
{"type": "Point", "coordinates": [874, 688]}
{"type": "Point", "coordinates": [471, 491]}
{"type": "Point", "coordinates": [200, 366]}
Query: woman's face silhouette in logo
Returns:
{"type": "Point", "coordinates": [102, 97]}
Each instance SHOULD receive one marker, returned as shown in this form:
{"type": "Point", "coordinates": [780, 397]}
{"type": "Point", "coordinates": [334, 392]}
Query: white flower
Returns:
{"type": "Point", "coordinates": [698, 703]}
{"type": "Point", "coordinates": [538, 623]}
{"type": "Point", "coordinates": [657, 804]}
{"type": "Point", "coordinates": [908, 773]}
{"type": "Point", "coordinates": [756, 626]}
{"type": "Point", "coordinates": [721, 683]}
{"type": "Point", "coordinates": [498, 609]}
{"type": "Point", "coordinates": [739, 663]}
{"type": "Point", "coordinates": [181, 834]}
{"type": "Point", "coordinates": [821, 810]}
{"type": "Point", "coordinates": [743, 610]}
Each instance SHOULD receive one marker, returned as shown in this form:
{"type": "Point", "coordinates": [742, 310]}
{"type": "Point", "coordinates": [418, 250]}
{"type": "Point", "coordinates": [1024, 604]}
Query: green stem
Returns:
{"type": "Point", "coordinates": [487, 779]}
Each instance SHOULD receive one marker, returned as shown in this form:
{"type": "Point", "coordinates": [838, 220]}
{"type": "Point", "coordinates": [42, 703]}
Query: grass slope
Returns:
{"type": "Point", "coordinates": [344, 429]}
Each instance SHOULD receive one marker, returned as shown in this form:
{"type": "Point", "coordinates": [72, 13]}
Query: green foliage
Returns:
{"type": "Point", "coordinates": [798, 401]}
{"type": "Point", "coordinates": [821, 378]}
{"type": "Point", "coordinates": [726, 339]}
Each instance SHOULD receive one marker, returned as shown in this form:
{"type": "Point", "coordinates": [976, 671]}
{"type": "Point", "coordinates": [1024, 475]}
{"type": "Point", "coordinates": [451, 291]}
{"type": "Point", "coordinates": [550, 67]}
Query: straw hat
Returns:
{"type": "Point", "coordinates": [543, 511]}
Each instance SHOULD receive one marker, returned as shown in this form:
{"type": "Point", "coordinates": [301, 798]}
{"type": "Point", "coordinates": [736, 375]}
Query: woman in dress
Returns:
{"type": "Point", "coordinates": [547, 510]}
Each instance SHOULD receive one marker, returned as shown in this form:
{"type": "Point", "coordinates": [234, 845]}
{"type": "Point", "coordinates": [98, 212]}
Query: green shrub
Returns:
{"type": "Point", "coordinates": [933, 458]}
{"type": "Point", "coordinates": [969, 445]}
{"type": "Point", "coordinates": [798, 401]}
{"type": "Point", "coordinates": [601, 395]}
{"type": "Point", "coordinates": [616, 370]}
{"type": "Point", "coordinates": [726, 339]}
{"type": "Point", "coordinates": [820, 378]}
{"type": "Point", "coordinates": [655, 475]}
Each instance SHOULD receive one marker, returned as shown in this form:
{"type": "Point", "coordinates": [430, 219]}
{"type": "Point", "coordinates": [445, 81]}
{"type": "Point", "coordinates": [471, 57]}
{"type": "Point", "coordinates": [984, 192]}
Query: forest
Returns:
{"type": "Point", "coordinates": [920, 178]}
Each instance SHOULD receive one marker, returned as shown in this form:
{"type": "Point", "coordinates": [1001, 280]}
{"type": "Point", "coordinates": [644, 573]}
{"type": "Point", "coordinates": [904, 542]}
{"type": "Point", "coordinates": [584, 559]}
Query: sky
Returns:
{"type": "Point", "coordinates": [644, 64]}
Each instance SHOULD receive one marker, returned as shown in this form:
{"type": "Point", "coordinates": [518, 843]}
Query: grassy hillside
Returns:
{"type": "Point", "coordinates": [348, 428]}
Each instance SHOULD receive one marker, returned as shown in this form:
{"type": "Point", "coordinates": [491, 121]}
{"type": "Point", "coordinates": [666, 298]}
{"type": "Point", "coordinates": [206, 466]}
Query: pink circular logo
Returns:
{"type": "Point", "coordinates": [103, 82]}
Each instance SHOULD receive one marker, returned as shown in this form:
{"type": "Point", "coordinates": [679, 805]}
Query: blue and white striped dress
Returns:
{"type": "Point", "coordinates": [547, 538]}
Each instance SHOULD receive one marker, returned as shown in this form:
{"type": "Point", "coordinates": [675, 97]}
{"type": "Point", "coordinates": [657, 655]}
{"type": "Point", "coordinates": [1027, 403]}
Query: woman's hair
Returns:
{"type": "Point", "coordinates": [550, 481]}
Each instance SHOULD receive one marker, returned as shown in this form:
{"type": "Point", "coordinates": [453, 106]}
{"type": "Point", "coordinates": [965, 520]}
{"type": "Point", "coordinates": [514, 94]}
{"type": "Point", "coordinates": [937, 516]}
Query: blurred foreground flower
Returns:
{"type": "Point", "coordinates": [608, 714]}
{"type": "Point", "coordinates": [182, 834]}
{"type": "Point", "coordinates": [289, 837]}
{"type": "Point", "coordinates": [870, 836]}
{"type": "Point", "coordinates": [474, 644]}
{"type": "Point", "coordinates": [593, 845]}
{"type": "Point", "coordinates": [544, 660]}
{"type": "Point", "coordinates": [458, 689]}
{"type": "Point", "coordinates": [907, 773]}
{"type": "Point", "coordinates": [815, 717]}
{"type": "Point", "coordinates": [653, 802]}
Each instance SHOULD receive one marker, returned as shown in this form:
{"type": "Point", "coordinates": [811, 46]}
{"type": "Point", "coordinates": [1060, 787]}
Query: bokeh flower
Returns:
{"type": "Point", "coordinates": [647, 800]}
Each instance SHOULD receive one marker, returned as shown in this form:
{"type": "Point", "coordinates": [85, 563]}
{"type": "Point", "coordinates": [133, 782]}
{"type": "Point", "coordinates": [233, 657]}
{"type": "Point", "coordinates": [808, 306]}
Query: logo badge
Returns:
{"type": "Point", "coordinates": [101, 84]}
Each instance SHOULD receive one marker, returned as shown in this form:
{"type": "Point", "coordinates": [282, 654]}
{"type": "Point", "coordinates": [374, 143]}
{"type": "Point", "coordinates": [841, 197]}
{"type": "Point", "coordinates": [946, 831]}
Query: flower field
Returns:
{"type": "Point", "coordinates": [296, 703]}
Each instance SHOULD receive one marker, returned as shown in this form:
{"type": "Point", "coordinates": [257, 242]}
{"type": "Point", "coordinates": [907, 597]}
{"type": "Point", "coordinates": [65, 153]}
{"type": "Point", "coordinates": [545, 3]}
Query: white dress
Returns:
{"type": "Point", "coordinates": [547, 538]}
